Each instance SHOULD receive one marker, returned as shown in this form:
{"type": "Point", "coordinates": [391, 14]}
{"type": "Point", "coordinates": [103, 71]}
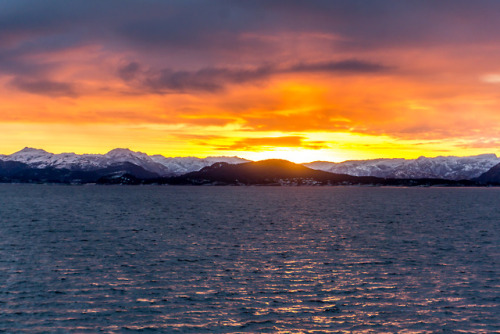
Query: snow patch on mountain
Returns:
{"type": "Point", "coordinates": [183, 165]}
{"type": "Point", "coordinates": [37, 158]}
{"type": "Point", "coordinates": [450, 167]}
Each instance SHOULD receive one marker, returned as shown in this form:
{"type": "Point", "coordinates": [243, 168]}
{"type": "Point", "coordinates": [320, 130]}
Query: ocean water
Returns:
{"type": "Point", "coordinates": [126, 259]}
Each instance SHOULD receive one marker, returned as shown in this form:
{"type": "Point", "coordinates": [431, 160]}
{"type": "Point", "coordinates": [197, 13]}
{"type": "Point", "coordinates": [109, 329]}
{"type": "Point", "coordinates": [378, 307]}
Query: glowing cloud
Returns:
{"type": "Point", "coordinates": [324, 79]}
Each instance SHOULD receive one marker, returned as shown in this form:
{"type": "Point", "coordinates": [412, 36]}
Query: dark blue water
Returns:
{"type": "Point", "coordinates": [87, 259]}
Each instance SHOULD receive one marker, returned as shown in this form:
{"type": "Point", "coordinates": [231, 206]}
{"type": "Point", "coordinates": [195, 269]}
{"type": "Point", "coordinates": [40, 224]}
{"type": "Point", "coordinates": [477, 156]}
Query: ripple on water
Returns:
{"type": "Point", "coordinates": [248, 259]}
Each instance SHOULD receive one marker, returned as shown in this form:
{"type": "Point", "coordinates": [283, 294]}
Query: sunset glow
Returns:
{"type": "Point", "coordinates": [303, 81]}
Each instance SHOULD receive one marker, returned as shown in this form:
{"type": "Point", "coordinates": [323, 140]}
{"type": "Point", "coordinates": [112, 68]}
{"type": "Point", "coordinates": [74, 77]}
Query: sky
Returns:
{"type": "Point", "coordinates": [300, 80]}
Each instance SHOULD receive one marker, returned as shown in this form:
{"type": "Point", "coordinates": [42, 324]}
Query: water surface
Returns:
{"type": "Point", "coordinates": [113, 259]}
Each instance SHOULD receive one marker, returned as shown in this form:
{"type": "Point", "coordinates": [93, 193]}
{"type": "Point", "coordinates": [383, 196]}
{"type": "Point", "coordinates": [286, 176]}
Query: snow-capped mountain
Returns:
{"type": "Point", "coordinates": [452, 168]}
{"type": "Point", "coordinates": [179, 166]}
{"type": "Point", "coordinates": [37, 158]}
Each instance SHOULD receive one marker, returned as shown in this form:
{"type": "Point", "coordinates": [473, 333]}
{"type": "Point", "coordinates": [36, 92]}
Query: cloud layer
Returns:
{"type": "Point", "coordinates": [212, 79]}
{"type": "Point", "coordinates": [247, 71]}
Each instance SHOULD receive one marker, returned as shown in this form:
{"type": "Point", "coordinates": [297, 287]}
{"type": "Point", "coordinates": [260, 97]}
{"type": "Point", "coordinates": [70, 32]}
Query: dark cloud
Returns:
{"type": "Point", "coordinates": [129, 71]}
{"type": "Point", "coordinates": [44, 87]}
{"type": "Point", "coordinates": [362, 23]}
{"type": "Point", "coordinates": [207, 79]}
{"type": "Point", "coordinates": [212, 30]}
{"type": "Point", "coordinates": [391, 23]}
{"type": "Point", "coordinates": [347, 66]}
{"type": "Point", "coordinates": [215, 79]}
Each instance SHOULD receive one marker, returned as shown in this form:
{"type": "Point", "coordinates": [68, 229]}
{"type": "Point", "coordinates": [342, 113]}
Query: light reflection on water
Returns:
{"type": "Point", "coordinates": [249, 259]}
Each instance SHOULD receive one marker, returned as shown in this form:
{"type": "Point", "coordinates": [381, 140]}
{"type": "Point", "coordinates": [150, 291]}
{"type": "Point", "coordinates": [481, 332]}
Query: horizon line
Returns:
{"type": "Point", "coordinates": [249, 160]}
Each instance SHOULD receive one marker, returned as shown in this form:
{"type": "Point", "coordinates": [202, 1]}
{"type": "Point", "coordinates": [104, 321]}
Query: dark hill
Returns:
{"type": "Point", "coordinates": [124, 173]}
{"type": "Point", "coordinates": [492, 176]}
{"type": "Point", "coordinates": [11, 171]}
{"type": "Point", "coordinates": [267, 172]}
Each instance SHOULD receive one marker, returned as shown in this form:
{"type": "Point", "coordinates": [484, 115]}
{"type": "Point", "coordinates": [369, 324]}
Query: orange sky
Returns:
{"type": "Point", "coordinates": [304, 81]}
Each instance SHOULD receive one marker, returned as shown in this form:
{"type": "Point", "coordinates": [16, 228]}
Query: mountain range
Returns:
{"type": "Point", "coordinates": [451, 168]}
{"type": "Point", "coordinates": [157, 164]}
{"type": "Point", "coordinates": [126, 166]}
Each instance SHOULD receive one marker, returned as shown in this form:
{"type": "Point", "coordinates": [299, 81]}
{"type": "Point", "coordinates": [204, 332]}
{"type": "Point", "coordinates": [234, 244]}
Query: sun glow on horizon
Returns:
{"type": "Point", "coordinates": [295, 155]}
{"type": "Point", "coordinates": [171, 141]}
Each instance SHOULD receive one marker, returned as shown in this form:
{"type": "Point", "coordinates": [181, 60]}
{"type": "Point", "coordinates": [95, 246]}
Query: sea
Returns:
{"type": "Point", "coordinates": [251, 259]}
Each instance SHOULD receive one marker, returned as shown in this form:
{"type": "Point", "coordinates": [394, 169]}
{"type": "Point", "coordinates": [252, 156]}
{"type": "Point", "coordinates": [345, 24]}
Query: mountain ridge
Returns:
{"type": "Point", "coordinates": [38, 158]}
{"type": "Point", "coordinates": [285, 173]}
{"type": "Point", "coordinates": [451, 167]}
